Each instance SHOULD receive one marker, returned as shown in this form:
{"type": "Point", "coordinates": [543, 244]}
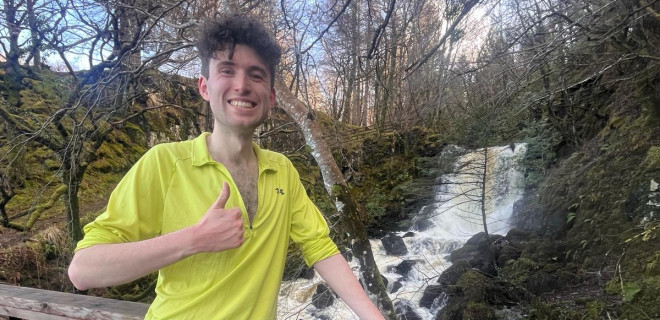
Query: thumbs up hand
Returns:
{"type": "Point", "coordinates": [219, 229]}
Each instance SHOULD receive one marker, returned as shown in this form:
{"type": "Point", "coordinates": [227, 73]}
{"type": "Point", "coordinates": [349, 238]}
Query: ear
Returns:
{"type": "Point", "coordinates": [203, 88]}
{"type": "Point", "coordinates": [273, 97]}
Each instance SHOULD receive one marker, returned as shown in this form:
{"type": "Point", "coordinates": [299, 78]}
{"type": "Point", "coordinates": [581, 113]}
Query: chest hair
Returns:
{"type": "Point", "coordinates": [246, 182]}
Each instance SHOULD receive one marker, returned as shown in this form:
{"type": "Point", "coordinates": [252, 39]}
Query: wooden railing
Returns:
{"type": "Point", "coordinates": [37, 304]}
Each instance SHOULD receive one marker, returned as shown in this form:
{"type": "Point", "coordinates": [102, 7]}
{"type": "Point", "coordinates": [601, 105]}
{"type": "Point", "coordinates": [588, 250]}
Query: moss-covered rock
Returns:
{"type": "Point", "coordinates": [476, 294]}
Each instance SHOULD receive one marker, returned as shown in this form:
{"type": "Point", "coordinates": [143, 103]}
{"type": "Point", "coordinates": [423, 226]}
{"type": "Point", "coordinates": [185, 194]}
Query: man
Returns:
{"type": "Point", "coordinates": [214, 215]}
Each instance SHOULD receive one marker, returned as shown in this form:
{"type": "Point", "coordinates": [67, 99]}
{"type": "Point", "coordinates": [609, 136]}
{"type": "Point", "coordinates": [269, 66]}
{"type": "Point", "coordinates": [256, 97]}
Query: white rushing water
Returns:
{"type": "Point", "coordinates": [451, 220]}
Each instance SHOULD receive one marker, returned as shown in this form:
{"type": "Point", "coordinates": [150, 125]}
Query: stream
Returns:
{"type": "Point", "coordinates": [440, 228]}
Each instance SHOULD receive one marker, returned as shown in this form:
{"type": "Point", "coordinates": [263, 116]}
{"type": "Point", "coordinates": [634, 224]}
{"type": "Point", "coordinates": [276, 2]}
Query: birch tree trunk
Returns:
{"type": "Point", "coordinates": [351, 227]}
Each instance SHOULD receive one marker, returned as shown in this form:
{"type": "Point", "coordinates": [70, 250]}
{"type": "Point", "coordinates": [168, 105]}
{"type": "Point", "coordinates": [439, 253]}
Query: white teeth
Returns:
{"type": "Point", "coordinates": [240, 104]}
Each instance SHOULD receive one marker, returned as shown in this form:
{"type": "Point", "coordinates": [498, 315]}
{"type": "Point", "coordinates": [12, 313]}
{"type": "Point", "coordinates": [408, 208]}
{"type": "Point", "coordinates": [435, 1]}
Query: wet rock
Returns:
{"type": "Point", "coordinates": [507, 253]}
{"type": "Point", "coordinates": [476, 296]}
{"type": "Point", "coordinates": [394, 245]}
{"type": "Point", "coordinates": [408, 234]}
{"type": "Point", "coordinates": [307, 273]}
{"type": "Point", "coordinates": [404, 268]}
{"type": "Point", "coordinates": [476, 239]}
{"type": "Point", "coordinates": [466, 252]}
{"type": "Point", "coordinates": [525, 213]}
{"type": "Point", "coordinates": [396, 286]}
{"type": "Point", "coordinates": [518, 235]}
{"type": "Point", "coordinates": [451, 275]}
{"type": "Point", "coordinates": [481, 252]}
{"type": "Point", "coordinates": [405, 312]}
{"type": "Point", "coordinates": [323, 297]}
{"type": "Point", "coordinates": [431, 293]}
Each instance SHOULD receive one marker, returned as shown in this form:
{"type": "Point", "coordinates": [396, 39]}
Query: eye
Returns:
{"type": "Point", "coordinates": [226, 71]}
{"type": "Point", "coordinates": [258, 76]}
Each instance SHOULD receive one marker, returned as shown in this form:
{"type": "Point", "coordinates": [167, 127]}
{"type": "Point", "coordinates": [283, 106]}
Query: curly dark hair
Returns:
{"type": "Point", "coordinates": [224, 32]}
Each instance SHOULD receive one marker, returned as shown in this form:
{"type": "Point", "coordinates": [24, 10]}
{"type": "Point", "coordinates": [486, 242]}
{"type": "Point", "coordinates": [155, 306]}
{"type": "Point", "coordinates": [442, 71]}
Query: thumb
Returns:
{"type": "Point", "coordinates": [222, 198]}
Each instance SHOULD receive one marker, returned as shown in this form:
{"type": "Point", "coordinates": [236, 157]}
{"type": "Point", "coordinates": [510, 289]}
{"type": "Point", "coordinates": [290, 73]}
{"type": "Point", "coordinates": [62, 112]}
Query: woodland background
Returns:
{"type": "Point", "coordinates": [378, 87]}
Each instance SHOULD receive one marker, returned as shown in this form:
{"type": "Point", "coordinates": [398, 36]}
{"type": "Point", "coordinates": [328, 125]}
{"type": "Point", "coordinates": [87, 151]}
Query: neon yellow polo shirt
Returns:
{"type": "Point", "coordinates": [171, 187]}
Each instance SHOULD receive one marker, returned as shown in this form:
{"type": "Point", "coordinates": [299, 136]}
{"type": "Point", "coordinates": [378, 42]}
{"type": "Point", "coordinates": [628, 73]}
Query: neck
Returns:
{"type": "Point", "coordinates": [230, 149]}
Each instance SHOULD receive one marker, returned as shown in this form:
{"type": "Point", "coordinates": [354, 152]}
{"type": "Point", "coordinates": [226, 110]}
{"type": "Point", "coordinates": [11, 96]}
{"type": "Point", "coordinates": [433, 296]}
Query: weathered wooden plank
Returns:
{"type": "Point", "coordinates": [37, 304]}
{"type": "Point", "coordinates": [27, 314]}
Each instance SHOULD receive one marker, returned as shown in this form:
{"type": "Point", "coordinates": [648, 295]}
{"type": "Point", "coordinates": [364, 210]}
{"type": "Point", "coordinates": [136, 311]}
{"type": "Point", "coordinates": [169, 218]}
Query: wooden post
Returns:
{"type": "Point", "coordinates": [37, 304]}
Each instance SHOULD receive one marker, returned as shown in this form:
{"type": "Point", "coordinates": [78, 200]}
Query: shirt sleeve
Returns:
{"type": "Point", "coordinates": [308, 226]}
{"type": "Point", "coordinates": [134, 210]}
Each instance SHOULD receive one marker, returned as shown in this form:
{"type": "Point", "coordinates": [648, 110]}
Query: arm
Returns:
{"type": "Point", "coordinates": [336, 272]}
{"type": "Point", "coordinates": [107, 265]}
{"type": "Point", "coordinates": [112, 264]}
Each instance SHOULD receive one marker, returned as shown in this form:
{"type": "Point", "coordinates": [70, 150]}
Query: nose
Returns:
{"type": "Point", "coordinates": [241, 82]}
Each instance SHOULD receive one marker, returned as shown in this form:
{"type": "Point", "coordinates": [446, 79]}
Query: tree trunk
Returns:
{"type": "Point", "coordinates": [352, 233]}
{"type": "Point", "coordinates": [130, 26]}
{"type": "Point", "coordinates": [14, 29]}
{"type": "Point", "coordinates": [72, 208]}
{"type": "Point", "coordinates": [35, 51]}
{"type": "Point", "coordinates": [4, 199]}
{"type": "Point", "coordinates": [347, 112]}
{"type": "Point", "coordinates": [483, 192]}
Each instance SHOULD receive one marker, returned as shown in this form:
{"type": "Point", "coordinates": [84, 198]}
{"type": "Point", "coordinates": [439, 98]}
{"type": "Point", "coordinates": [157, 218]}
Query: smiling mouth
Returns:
{"type": "Point", "coordinates": [241, 104]}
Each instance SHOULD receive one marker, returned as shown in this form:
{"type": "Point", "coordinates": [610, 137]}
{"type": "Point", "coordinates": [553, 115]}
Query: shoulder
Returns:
{"type": "Point", "coordinates": [167, 154]}
{"type": "Point", "coordinates": [276, 159]}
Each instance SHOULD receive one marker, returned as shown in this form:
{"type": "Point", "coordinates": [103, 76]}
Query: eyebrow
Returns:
{"type": "Point", "coordinates": [230, 63]}
{"type": "Point", "coordinates": [226, 63]}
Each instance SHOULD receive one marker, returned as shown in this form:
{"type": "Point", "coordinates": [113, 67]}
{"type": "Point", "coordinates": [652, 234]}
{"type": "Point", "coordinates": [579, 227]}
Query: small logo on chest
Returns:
{"type": "Point", "coordinates": [279, 191]}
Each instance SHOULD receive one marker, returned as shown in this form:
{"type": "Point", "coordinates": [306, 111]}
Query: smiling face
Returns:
{"type": "Point", "coordinates": [238, 90]}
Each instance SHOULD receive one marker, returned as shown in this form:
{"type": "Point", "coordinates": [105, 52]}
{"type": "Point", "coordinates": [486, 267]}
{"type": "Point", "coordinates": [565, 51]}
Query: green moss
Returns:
{"type": "Point", "coordinates": [645, 302]}
{"type": "Point", "coordinates": [376, 205]}
{"type": "Point", "coordinates": [518, 271]}
{"type": "Point", "coordinates": [52, 164]}
{"type": "Point", "coordinates": [652, 268]}
{"type": "Point", "coordinates": [613, 287]}
{"type": "Point", "coordinates": [472, 283]}
{"type": "Point", "coordinates": [652, 160]}
{"type": "Point", "coordinates": [478, 311]}
{"type": "Point", "coordinates": [594, 310]}
{"type": "Point", "coordinates": [551, 311]}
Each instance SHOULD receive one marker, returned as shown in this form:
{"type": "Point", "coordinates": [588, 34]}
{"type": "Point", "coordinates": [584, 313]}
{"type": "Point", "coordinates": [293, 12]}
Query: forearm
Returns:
{"type": "Point", "coordinates": [339, 276]}
{"type": "Point", "coordinates": [112, 264]}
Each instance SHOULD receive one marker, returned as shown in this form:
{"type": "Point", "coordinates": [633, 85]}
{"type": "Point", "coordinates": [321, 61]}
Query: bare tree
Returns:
{"type": "Point", "coordinates": [103, 97]}
{"type": "Point", "coordinates": [351, 231]}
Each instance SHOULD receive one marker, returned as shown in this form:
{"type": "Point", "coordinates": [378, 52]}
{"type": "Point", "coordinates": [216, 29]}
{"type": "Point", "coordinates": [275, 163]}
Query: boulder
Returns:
{"type": "Point", "coordinates": [506, 253]}
{"type": "Point", "coordinates": [394, 245]}
{"type": "Point", "coordinates": [396, 286]}
{"type": "Point", "coordinates": [307, 273]}
{"type": "Point", "coordinates": [476, 296]}
{"type": "Point", "coordinates": [323, 297]}
{"type": "Point", "coordinates": [405, 312]}
{"type": "Point", "coordinates": [518, 235]}
{"type": "Point", "coordinates": [481, 252]}
{"type": "Point", "coordinates": [451, 275]}
{"type": "Point", "coordinates": [431, 293]}
{"type": "Point", "coordinates": [404, 268]}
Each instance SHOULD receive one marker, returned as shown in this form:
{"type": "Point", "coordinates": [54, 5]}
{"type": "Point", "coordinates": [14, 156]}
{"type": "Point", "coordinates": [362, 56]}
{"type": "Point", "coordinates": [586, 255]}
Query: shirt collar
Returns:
{"type": "Point", "coordinates": [201, 156]}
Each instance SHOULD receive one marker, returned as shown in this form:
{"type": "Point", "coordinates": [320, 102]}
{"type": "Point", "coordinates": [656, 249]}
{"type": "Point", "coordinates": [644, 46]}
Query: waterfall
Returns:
{"type": "Point", "coordinates": [444, 226]}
